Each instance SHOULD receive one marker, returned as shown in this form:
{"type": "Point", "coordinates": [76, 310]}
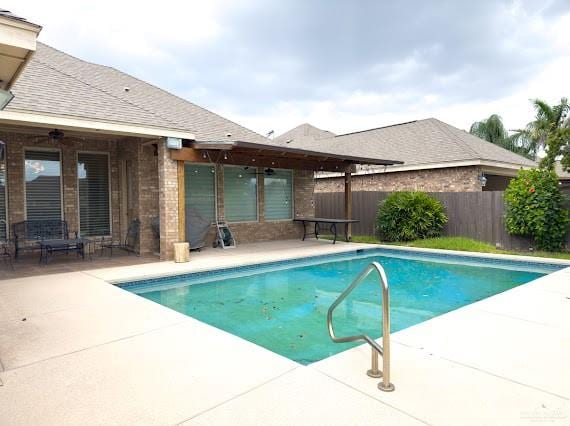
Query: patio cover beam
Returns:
{"type": "Point", "coordinates": [253, 159]}
{"type": "Point", "coordinates": [273, 150]}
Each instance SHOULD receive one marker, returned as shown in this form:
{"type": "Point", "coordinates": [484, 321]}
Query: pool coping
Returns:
{"type": "Point", "coordinates": [434, 254]}
{"type": "Point", "coordinates": [515, 257]}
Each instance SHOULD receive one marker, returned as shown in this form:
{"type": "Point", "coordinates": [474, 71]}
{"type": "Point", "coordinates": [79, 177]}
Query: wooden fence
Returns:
{"type": "Point", "coordinates": [477, 215]}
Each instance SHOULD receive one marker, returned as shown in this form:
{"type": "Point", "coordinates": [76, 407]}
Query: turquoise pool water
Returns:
{"type": "Point", "coordinates": [283, 307]}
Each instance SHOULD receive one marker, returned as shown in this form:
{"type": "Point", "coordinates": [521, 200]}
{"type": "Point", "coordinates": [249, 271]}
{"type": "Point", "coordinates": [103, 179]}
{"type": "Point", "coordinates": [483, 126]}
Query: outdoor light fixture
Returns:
{"type": "Point", "coordinates": [2, 150]}
{"type": "Point", "coordinates": [173, 143]}
{"type": "Point", "coordinates": [482, 179]}
{"type": "Point", "coordinates": [5, 97]}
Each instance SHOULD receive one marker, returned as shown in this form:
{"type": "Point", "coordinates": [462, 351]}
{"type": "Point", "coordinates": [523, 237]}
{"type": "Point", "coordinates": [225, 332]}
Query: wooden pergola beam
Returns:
{"type": "Point", "coordinates": [253, 159]}
{"type": "Point", "coordinates": [348, 203]}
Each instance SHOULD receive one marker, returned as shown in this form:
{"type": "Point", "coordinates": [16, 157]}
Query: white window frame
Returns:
{"type": "Point", "coordinates": [28, 148]}
{"type": "Point", "coordinates": [108, 154]}
{"type": "Point", "coordinates": [257, 190]}
{"type": "Point", "coordinates": [215, 187]}
{"type": "Point", "coordinates": [292, 198]}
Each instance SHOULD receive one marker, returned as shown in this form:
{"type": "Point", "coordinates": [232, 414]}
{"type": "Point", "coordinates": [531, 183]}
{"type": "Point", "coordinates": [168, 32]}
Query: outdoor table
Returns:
{"type": "Point", "coordinates": [319, 220]}
{"type": "Point", "coordinates": [48, 247]}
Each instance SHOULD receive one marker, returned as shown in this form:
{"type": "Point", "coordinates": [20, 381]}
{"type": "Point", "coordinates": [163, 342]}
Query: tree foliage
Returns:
{"type": "Point", "coordinates": [407, 216]}
{"type": "Point", "coordinates": [549, 130]}
{"type": "Point", "coordinates": [493, 130]}
{"type": "Point", "coordinates": [535, 209]}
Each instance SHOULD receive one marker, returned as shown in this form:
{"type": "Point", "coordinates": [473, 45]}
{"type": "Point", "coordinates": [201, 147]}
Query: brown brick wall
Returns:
{"type": "Point", "coordinates": [143, 167]}
{"type": "Point", "coordinates": [168, 201]}
{"type": "Point", "coordinates": [453, 179]}
{"type": "Point", "coordinates": [142, 170]}
{"type": "Point", "coordinates": [17, 143]}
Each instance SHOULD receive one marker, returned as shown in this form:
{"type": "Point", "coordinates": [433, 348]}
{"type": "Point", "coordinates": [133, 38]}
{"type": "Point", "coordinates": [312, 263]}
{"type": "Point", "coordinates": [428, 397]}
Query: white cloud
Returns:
{"type": "Point", "coordinates": [273, 81]}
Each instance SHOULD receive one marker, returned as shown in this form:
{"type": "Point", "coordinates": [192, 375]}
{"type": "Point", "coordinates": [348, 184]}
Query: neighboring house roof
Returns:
{"type": "Point", "coordinates": [57, 83]}
{"type": "Point", "coordinates": [418, 144]}
{"type": "Point", "coordinates": [304, 132]}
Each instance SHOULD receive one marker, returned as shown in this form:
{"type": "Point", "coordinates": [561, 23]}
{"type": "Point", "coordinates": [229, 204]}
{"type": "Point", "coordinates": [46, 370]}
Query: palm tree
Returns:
{"type": "Point", "coordinates": [493, 130]}
{"type": "Point", "coordinates": [550, 122]}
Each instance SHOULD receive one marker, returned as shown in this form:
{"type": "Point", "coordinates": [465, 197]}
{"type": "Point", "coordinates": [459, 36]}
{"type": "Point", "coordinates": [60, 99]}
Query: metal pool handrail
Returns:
{"type": "Point", "coordinates": [383, 350]}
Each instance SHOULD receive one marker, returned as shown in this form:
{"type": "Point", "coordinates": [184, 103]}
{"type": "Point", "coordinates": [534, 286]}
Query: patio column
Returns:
{"type": "Point", "coordinates": [348, 202]}
{"type": "Point", "coordinates": [168, 201]}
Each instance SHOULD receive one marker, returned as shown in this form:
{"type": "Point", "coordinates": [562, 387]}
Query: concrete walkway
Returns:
{"type": "Point", "coordinates": [74, 349]}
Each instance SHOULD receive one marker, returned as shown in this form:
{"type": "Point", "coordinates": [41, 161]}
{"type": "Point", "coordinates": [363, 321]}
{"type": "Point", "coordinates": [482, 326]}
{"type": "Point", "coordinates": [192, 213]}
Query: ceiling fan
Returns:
{"type": "Point", "coordinates": [54, 135]}
{"type": "Point", "coordinates": [266, 172]}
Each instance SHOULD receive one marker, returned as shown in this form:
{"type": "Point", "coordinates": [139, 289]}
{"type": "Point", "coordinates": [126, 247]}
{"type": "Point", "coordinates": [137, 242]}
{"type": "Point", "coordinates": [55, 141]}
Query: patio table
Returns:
{"type": "Point", "coordinates": [320, 220]}
{"type": "Point", "coordinates": [48, 247]}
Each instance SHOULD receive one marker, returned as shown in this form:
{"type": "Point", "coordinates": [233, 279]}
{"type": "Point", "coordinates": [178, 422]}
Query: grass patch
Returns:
{"type": "Point", "coordinates": [460, 244]}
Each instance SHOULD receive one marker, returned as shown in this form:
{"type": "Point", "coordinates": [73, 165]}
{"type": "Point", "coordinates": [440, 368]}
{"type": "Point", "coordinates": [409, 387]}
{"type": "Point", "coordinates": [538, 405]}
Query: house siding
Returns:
{"type": "Point", "coordinates": [452, 179]}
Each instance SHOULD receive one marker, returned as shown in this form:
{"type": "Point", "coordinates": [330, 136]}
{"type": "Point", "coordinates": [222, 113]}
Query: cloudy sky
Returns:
{"type": "Point", "coordinates": [342, 66]}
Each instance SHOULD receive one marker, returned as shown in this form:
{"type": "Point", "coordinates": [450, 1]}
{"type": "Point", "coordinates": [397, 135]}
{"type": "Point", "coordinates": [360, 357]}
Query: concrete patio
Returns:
{"type": "Point", "coordinates": [76, 349]}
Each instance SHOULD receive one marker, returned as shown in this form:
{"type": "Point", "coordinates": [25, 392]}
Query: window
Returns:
{"type": "Point", "coordinates": [93, 175]}
{"type": "Point", "coordinates": [43, 185]}
{"type": "Point", "coordinates": [200, 190]}
{"type": "Point", "coordinates": [3, 223]}
{"type": "Point", "coordinates": [278, 189]}
{"type": "Point", "coordinates": [240, 194]}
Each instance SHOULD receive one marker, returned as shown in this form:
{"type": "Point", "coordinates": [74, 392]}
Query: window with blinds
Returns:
{"type": "Point", "coordinates": [278, 191]}
{"type": "Point", "coordinates": [200, 190]}
{"type": "Point", "coordinates": [93, 176]}
{"type": "Point", "coordinates": [43, 184]}
{"type": "Point", "coordinates": [240, 194]}
{"type": "Point", "coordinates": [3, 213]}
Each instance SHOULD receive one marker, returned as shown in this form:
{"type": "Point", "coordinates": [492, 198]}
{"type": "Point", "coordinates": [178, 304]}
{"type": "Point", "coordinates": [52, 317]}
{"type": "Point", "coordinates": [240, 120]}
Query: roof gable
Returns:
{"type": "Point", "coordinates": [303, 133]}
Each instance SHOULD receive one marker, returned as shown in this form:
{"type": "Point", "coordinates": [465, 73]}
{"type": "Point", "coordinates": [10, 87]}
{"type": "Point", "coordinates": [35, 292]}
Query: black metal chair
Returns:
{"type": "Point", "coordinates": [28, 233]}
{"type": "Point", "coordinates": [130, 244]}
{"type": "Point", "coordinates": [5, 254]}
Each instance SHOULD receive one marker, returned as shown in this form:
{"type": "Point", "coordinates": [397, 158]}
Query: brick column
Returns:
{"type": "Point", "coordinates": [168, 201]}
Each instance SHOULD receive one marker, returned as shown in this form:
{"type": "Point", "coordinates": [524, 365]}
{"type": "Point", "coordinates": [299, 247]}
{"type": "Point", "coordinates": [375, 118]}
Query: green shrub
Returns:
{"type": "Point", "coordinates": [535, 209]}
{"type": "Point", "coordinates": [407, 216]}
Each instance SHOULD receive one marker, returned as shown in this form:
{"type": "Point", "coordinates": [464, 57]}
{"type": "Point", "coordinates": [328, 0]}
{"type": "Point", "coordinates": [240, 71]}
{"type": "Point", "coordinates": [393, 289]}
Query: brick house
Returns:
{"type": "Point", "coordinates": [98, 148]}
{"type": "Point", "coordinates": [437, 158]}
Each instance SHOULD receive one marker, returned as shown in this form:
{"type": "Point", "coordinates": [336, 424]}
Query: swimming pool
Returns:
{"type": "Point", "coordinates": [282, 306]}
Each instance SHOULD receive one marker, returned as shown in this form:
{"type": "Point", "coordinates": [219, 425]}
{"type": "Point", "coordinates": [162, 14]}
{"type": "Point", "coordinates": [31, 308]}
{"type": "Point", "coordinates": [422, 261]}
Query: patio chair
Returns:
{"type": "Point", "coordinates": [130, 243]}
{"type": "Point", "coordinates": [5, 254]}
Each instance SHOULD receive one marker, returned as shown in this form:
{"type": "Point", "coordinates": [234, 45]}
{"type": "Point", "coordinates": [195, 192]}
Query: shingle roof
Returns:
{"type": "Point", "coordinates": [58, 83]}
{"type": "Point", "coordinates": [420, 143]}
{"type": "Point", "coordinates": [9, 15]}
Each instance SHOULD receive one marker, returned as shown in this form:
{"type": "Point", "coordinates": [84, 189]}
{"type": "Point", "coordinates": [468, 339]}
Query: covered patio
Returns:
{"type": "Point", "coordinates": [99, 182]}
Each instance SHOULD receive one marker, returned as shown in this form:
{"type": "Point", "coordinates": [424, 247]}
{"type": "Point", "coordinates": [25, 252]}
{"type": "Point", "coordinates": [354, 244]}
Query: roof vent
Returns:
{"type": "Point", "coordinates": [127, 89]}
{"type": "Point", "coordinates": [228, 135]}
